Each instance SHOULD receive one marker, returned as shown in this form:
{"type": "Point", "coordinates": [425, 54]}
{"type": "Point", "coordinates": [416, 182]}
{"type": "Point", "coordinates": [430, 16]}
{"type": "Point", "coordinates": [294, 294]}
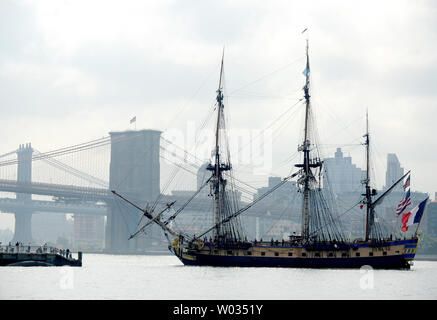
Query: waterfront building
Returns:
{"type": "Point", "coordinates": [394, 171]}
{"type": "Point", "coordinates": [50, 227]}
{"type": "Point", "coordinates": [341, 174]}
{"type": "Point", "coordinates": [431, 218]}
{"type": "Point", "coordinates": [89, 232]}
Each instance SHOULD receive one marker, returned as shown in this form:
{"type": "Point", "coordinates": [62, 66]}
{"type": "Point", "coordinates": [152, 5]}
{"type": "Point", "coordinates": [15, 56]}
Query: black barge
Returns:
{"type": "Point", "coordinates": [31, 256]}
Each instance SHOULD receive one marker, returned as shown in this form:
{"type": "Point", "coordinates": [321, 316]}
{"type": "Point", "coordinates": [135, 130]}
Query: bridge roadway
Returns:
{"type": "Point", "coordinates": [81, 198]}
{"type": "Point", "coordinates": [134, 164]}
{"type": "Point", "coordinates": [12, 205]}
{"type": "Point", "coordinates": [57, 190]}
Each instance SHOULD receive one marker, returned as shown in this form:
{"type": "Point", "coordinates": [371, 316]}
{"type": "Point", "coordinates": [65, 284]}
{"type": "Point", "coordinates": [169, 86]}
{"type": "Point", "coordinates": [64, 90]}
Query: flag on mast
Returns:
{"type": "Point", "coordinates": [414, 215]}
{"type": "Point", "coordinates": [406, 200]}
{"type": "Point", "coordinates": [133, 119]}
{"type": "Point", "coordinates": [407, 183]}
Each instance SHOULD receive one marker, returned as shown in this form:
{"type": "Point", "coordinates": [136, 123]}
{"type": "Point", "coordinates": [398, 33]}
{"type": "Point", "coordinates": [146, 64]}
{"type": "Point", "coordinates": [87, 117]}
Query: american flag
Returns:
{"type": "Point", "coordinates": [405, 202]}
{"type": "Point", "coordinates": [407, 183]}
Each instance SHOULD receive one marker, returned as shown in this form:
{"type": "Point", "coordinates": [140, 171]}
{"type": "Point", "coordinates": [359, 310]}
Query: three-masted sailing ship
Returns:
{"type": "Point", "coordinates": [320, 244]}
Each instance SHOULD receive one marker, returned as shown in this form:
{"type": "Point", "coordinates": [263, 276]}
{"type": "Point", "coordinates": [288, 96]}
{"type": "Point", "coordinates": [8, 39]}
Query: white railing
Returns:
{"type": "Point", "coordinates": [34, 249]}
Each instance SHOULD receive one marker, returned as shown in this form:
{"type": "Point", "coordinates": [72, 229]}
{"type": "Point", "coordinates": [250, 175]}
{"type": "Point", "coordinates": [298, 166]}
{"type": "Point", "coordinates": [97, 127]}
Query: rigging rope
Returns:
{"type": "Point", "coordinates": [249, 205]}
{"type": "Point", "coordinates": [267, 75]}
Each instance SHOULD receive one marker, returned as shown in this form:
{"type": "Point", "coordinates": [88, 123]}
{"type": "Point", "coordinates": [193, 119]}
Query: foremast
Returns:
{"type": "Point", "coordinates": [306, 174]}
{"type": "Point", "coordinates": [218, 183]}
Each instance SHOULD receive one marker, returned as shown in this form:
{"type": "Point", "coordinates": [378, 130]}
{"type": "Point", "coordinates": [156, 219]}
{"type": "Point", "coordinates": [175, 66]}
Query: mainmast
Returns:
{"type": "Point", "coordinates": [306, 152]}
{"type": "Point", "coordinates": [366, 182]}
{"type": "Point", "coordinates": [307, 164]}
{"type": "Point", "coordinates": [217, 181]}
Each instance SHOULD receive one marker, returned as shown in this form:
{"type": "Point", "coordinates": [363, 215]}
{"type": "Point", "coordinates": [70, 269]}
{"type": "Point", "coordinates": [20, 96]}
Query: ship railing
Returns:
{"type": "Point", "coordinates": [256, 243]}
{"type": "Point", "coordinates": [34, 249]}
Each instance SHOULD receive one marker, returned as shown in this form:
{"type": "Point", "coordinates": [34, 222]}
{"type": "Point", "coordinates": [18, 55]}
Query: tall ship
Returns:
{"type": "Point", "coordinates": [321, 243]}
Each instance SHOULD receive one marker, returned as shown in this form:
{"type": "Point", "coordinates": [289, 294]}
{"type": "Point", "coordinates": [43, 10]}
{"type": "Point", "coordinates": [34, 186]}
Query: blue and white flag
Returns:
{"type": "Point", "coordinates": [306, 71]}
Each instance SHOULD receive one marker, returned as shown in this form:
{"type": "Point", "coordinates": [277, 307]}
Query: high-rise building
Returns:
{"type": "Point", "coordinates": [341, 174]}
{"type": "Point", "coordinates": [431, 218]}
{"type": "Point", "coordinates": [89, 232]}
{"type": "Point", "coordinates": [394, 171]}
{"type": "Point", "coordinates": [284, 194]}
{"type": "Point", "coordinates": [202, 174]}
{"type": "Point", "coordinates": [50, 226]}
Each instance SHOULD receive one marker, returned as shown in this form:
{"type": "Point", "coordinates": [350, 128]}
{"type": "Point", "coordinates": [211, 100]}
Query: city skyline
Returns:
{"type": "Point", "coordinates": [65, 82]}
{"type": "Point", "coordinates": [344, 178]}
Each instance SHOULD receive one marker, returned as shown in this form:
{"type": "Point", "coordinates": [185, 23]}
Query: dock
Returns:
{"type": "Point", "coordinates": [32, 256]}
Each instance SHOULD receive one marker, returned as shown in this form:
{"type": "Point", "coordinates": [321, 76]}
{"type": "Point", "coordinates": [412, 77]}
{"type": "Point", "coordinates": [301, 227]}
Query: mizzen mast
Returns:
{"type": "Point", "coordinates": [369, 193]}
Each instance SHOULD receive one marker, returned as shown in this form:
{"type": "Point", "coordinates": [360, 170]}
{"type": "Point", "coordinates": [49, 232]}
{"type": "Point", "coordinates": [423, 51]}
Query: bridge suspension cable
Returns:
{"type": "Point", "coordinates": [49, 156]}
{"type": "Point", "coordinates": [79, 174]}
{"type": "Point", "coordinates": [8, 154]}
{"type": "Point", "coordinates": [63, 151]}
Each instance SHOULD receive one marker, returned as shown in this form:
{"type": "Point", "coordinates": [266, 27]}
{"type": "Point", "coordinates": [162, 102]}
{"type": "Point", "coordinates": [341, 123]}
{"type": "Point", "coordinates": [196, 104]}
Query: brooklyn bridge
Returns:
{"type": "Point", "coordinates": [78, 180]}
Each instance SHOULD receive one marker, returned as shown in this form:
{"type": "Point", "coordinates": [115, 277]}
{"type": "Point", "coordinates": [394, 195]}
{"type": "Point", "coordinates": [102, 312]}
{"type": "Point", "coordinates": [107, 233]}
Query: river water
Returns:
{"type": "Point", "coordinates": [105, 276]}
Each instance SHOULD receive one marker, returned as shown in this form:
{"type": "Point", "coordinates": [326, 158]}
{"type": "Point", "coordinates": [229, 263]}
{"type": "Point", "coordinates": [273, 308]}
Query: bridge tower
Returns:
{"type": "Point", "coordinates": [23, 217]}
{"type": "Point", "coordinates": [135, 173]}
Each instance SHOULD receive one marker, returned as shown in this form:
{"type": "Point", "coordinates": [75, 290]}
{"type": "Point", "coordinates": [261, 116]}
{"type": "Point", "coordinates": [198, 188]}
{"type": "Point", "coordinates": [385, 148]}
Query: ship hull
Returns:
{"type": "Point", "coordinates": [393, 262]}
{"type": "Point", "coordinates": [391, 255]}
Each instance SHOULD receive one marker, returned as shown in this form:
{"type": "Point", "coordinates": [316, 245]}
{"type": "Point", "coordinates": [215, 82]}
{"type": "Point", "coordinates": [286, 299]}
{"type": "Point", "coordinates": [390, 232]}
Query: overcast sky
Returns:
{"type": "Point", "coordinates": [72, 71]}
